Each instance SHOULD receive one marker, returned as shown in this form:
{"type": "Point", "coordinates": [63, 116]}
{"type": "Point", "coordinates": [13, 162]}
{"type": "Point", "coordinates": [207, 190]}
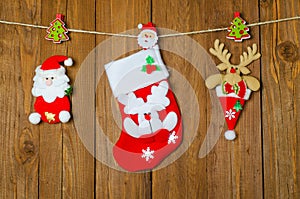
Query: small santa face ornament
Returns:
{"type": "Point", "coordinates": [52, 91]}
{"type": "Point", "coordinates": [148, 36]}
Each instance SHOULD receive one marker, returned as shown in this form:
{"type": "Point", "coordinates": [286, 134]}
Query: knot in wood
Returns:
{"type": "Point", "coordinates": [28, 147]}
{"type": "Point", "coordinates": [287, 51]}
{"type": "Point", "coordinates": [265, 3]}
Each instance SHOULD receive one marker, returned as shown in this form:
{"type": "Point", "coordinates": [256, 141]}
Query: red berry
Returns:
{"type": "Point", "coordinates": [150, 68]}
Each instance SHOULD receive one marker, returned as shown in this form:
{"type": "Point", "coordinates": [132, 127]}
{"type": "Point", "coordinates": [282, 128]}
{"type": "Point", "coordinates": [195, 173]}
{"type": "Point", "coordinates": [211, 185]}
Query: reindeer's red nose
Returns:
{"type": "Point", "coordinates": [232, 70]}
{"type": "Point", "coordinates": [147, 116]}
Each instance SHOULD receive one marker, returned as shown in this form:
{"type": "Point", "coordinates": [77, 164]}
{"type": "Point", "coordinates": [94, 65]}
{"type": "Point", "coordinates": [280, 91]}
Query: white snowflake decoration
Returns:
{"type": "Point", "coordinates": [172, 138]}
{"type": "Point", "coordinates": [230, 114]}
{"type": "Point", "coordinates": [147, 154]}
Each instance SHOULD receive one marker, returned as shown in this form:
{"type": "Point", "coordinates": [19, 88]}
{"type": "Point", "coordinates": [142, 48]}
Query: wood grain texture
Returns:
{"type": "Point", "coordinates": [221, 174]}
{"type": "Point", "coordinates": [78, 163]}
{"type": "Point", "coordinates": [51, 136]}
{"type": "Point", "coordinates": [19, 142]}
{"type": "Point", "coordinates": [116, 16]}
{"type": "Point", "coordinates": [188, 169]}
{"type": "Point", "coordinates": [53, 161]}
{"type": "Point", "coordinates": [280, 75]}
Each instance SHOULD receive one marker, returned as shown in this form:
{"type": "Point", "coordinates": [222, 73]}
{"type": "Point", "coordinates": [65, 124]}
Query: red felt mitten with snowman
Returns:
{"type": "Point", "coordinates": [52, 91]}
{"type": "Point", "coordinates": [151, 120]}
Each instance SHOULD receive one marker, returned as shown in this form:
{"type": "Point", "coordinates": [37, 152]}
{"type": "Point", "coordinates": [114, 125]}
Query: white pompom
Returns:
{"type": "Point", "coordinates": [140, 26]}
{"type": "Point", "coordinates": [230, 135]}
{"type": "Point", "coordinates": [68, 62]}
{"type": "Point", "coordinates": [34, 118]}
{"type": "Point", "coordinates": [64, 116]}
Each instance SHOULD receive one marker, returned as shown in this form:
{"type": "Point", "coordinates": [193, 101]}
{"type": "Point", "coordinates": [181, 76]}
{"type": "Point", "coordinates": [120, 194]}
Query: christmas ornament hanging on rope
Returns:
{"type": "Point", "coordinates": [151, 119]}
{"type": "Point", "coordinates": [52, 91]}
{"type": "Point", "coordinates": [238, 30]}
{"type": "Point", "coordinates": [234, 87]}
{"type": "Point", "coordinates": [57, 32]}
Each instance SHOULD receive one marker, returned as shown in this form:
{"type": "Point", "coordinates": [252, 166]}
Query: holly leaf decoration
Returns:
{"type": "Point", "coordinates": [149, 60]}
{"type": "Point", "coordinates": [236, 88]}
{"type": "Point", "coordinates": [144, 68]}
{"type": "Point", "coordinates": [68, 91]}
{"type": "Point", "coordinates": [238, 106]}
{"type": "Point", "coordinates": [150, 67]}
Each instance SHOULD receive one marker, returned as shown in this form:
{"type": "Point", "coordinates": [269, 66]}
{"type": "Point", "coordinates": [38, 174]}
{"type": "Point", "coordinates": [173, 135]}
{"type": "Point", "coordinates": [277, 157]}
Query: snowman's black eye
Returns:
{"type": "Point", "coordinates": [52, 77]}
{"type": "Point", "coordinates": [47, 78]}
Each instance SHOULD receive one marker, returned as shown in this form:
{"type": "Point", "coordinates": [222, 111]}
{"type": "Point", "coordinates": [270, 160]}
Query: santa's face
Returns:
{"type": "Point", "coordinates": [50, 84]}
{"type": "Point", "coordinates": [147, 39]}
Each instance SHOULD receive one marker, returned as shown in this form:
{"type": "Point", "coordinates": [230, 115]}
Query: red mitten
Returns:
{"type": "Point", "coordinates": [151, 120]}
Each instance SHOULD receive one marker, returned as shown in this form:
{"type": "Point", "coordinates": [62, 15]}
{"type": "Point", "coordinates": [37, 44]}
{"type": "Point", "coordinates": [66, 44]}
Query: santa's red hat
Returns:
{"type": "Point", "coordinates": [149, 27]}
{"type": "Point", "coordinates": [53, 63]}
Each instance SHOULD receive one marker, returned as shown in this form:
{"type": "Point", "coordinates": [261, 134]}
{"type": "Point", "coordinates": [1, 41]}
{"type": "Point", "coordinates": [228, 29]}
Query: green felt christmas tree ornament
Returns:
{"type": "Point", "coordinates": [238, 30]}
{"type": "Point", "coordinates": [57, 32]}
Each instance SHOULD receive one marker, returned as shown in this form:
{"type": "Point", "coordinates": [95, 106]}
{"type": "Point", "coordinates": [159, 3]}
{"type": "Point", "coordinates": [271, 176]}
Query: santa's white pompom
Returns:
{"type": "Point", "coordinates": [68, 62]}
{"type": "Point", "coordinates": [230, 135]}
{"type": "Point", "coordinates": [64, 116]}
{"type": "Point", "coordinates": [34, 118]}
{"type": "Point", "coordinates": [140, 26]}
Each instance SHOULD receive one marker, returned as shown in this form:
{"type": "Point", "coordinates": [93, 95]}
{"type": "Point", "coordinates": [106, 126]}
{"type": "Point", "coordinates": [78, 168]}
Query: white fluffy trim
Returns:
{"type": "Point", "coordinates": [125, 74]}
{"type": "Point", "coordinates": [140, 26]}
{"type": "Point", "coordinates": [148, 30]}
{"type": "Point", "coordinates": [64, 116]}
{"type": "Point", "coordinates": [34, 118]}
{"type": "Point", "coordinates": [221, 94]}
{"type": "Point", "coordinates": [230, 135]}
{"type": "Point", "coordinates": [68, 62]}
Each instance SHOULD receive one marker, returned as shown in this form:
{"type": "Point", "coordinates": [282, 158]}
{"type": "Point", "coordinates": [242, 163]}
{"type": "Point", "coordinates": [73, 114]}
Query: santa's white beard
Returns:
{"type": "Point", "coordinates": [50, 93]}
{"type": "Point", "coordinates": [147, 42]}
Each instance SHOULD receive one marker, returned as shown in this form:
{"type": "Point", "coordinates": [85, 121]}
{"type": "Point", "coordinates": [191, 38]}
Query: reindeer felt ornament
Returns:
{"type": "Point", "coordinates": [235, 86]}
{"type": "Point", "coordinates": [151, 120]}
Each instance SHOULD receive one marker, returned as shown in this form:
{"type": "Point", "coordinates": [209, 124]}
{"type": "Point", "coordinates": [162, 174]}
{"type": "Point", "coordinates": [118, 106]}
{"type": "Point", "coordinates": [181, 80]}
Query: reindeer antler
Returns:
{"type": "Point", "coordinates": [223, 55]}
{"type": "Point", "coordinates": [249, 57]}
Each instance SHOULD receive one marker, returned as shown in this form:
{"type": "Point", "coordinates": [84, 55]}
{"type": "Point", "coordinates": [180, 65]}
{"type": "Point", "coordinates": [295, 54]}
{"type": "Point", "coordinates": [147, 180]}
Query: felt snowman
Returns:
{"type": "Point", "coordinates": [151, 119]}
{"type": "Point", "coordinates": [51, 90]}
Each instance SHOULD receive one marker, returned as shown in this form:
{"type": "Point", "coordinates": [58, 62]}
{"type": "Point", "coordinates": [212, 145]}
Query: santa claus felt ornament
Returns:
{"type": "Point", "coordinates": [52, 91]}
{"type": "Point", "coordinates": [151, 120]}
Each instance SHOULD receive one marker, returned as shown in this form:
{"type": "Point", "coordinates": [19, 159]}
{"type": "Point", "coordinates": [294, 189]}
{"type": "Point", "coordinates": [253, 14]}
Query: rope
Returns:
{"type": "Point", "coordinates": [161, 36]}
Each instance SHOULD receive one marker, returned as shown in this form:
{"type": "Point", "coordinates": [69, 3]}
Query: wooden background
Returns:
{"type": "Point", "coordinates": [50, 161]}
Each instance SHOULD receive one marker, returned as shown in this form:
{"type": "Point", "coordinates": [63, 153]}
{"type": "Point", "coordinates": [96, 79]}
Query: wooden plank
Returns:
{"type": "Point", "coordinates": [51, 142]}
{"type": "Point", "coordinates": [78, 163]}
{"type": "Point", "coordinates": [19, 139]}
{"type": "Point", "coordinates": [186, 177]}
{"type": "Point", "coordinates": [280, 75]}
{"type": "Point", "coordinates": [120, 16]}
{"type": "Point", "coordinates": [223, 172]}
{"type": "Point", "coordinates": [50, 161]}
